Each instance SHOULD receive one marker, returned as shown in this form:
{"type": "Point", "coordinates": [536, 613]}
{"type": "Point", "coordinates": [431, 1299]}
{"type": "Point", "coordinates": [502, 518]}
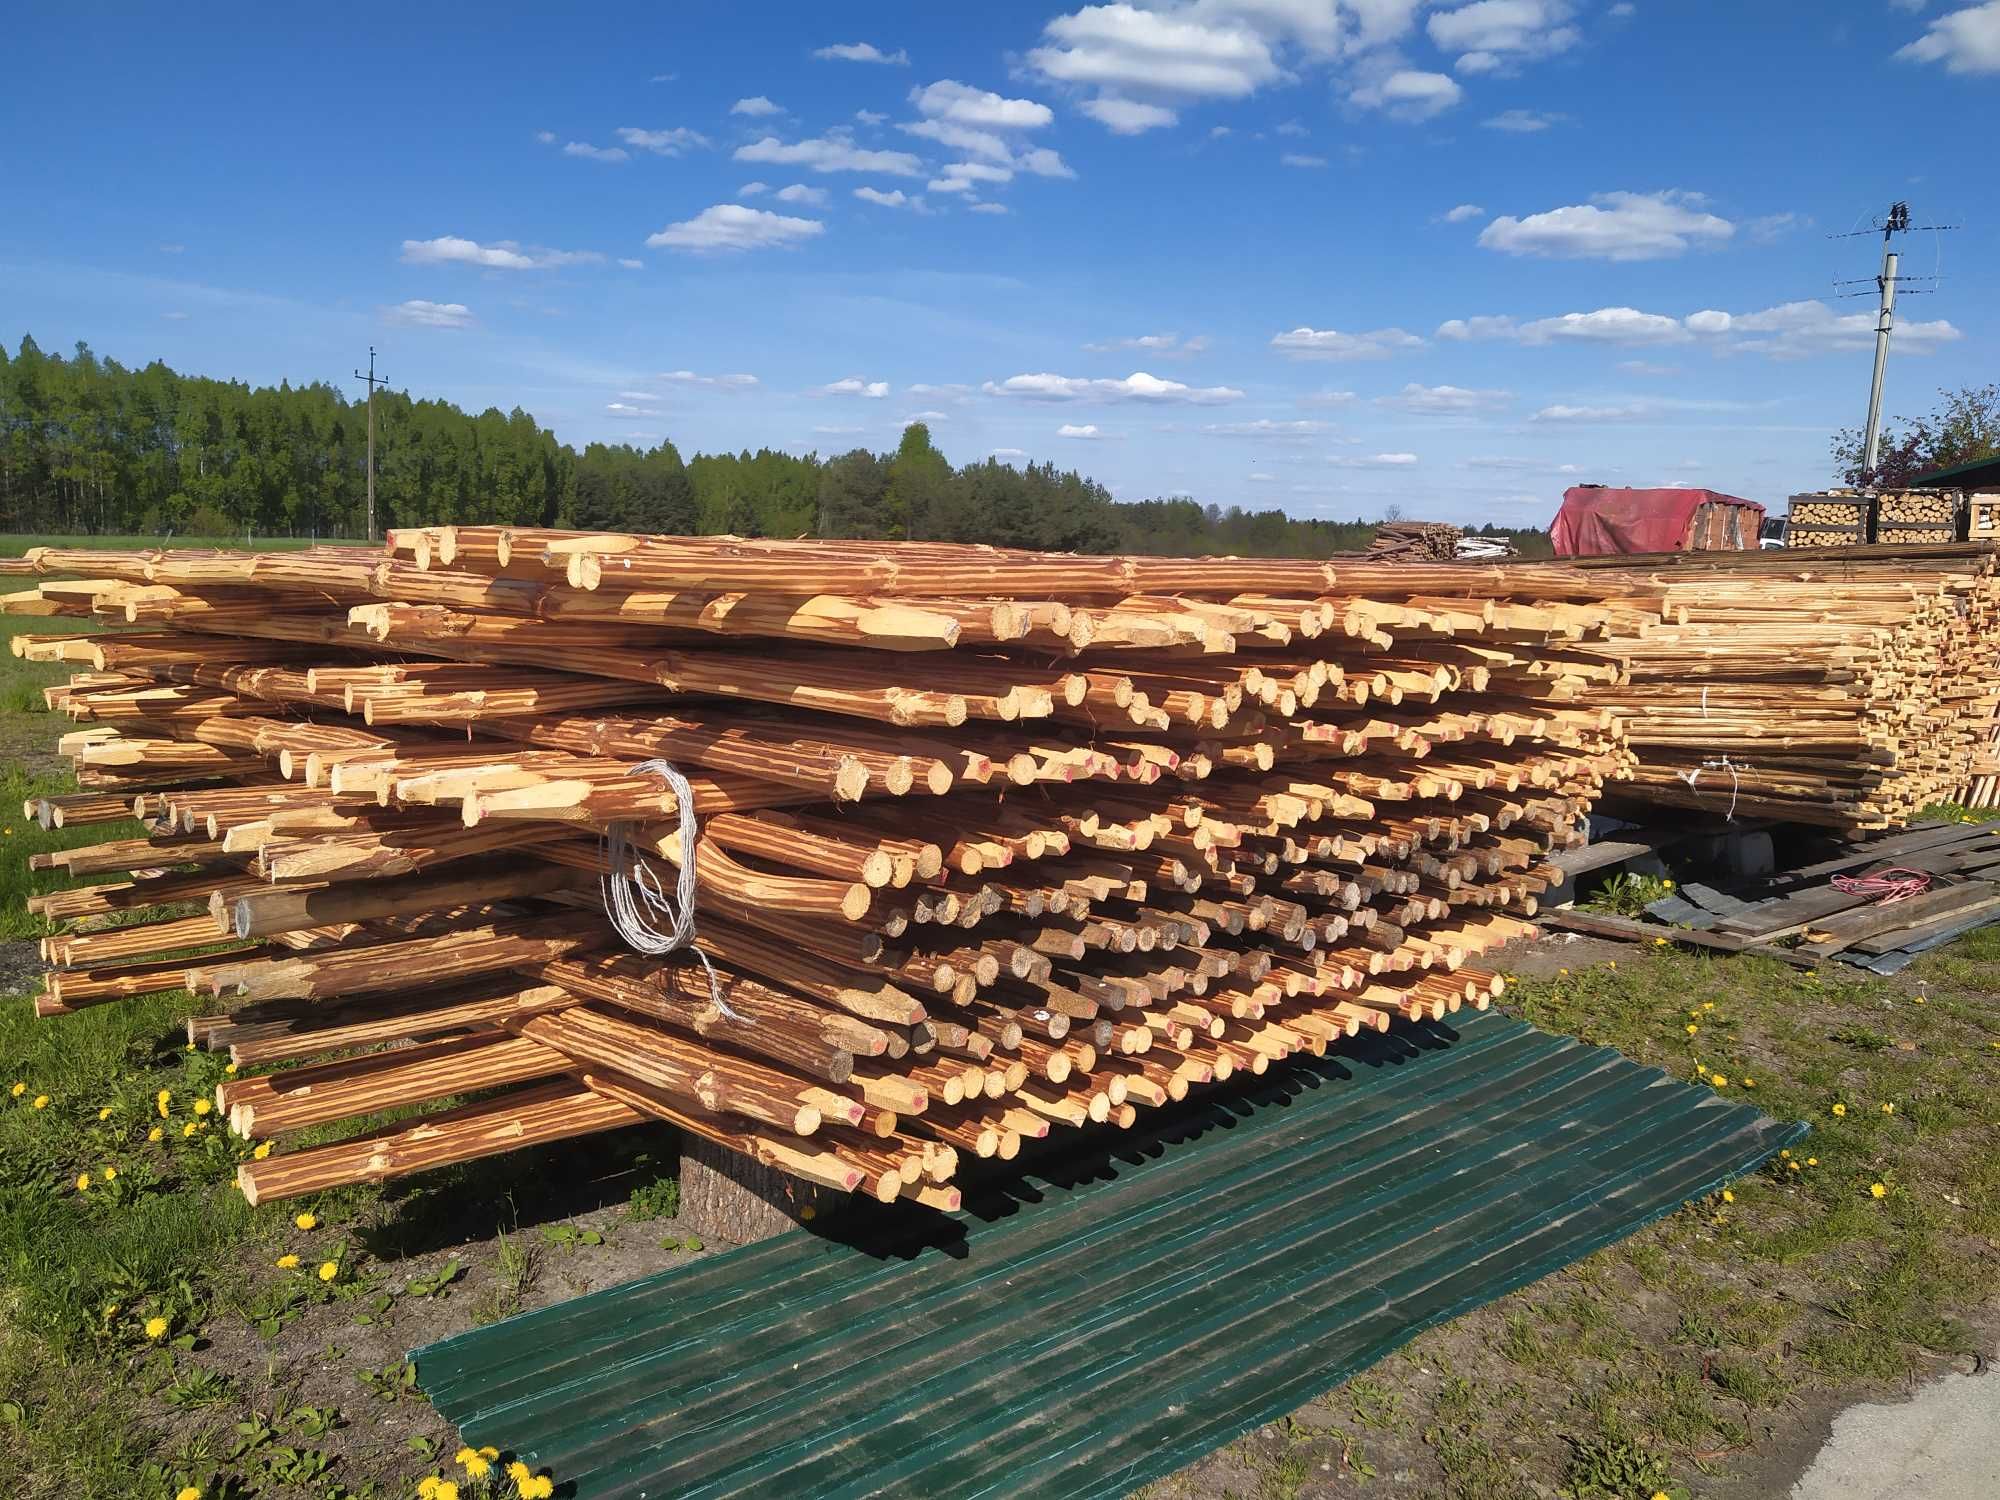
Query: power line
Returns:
{"type": "Point", "coordinates": [372, 381]}
{"type": "Point", "coordinates": [1897, 222]}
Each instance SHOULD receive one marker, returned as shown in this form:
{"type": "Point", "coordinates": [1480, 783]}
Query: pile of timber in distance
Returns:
{"type": "Point", "coordinates": [1849, 690]}
{"type": "Point", "coordinates": [992, 844]}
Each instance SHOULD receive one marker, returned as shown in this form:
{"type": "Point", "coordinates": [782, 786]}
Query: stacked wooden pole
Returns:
{"type": "Point", "coordinates": [1849, 691]}
{"type": "Point", "coordinates": [992, 844]}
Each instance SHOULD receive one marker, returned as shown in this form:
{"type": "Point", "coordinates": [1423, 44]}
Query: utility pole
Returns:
{"type": "Point", "coordinates": [1898, 221]}
{"type": "Point", "coordinates": [373, 382]}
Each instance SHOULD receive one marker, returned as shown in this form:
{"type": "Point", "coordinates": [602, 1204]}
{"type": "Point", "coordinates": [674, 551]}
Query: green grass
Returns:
{"type": "Point", "coordinates": [14, 544]}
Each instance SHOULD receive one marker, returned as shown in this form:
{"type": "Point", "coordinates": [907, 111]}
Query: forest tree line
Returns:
{"type": "Point", "coordinates": [88, 446]}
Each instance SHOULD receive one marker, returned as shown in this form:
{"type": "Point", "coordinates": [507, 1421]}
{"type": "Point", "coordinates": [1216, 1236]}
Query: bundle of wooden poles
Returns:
{"type": "Point", "coordinates": [1414, 541]}
{"type": "Point", "coordinates": [991, 844]}
{"type": "Point", "coordinates": [1846, 688]}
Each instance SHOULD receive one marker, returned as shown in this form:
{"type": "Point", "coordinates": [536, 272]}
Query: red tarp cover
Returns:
{"type": "Point", "coordinates": [1594, 521]}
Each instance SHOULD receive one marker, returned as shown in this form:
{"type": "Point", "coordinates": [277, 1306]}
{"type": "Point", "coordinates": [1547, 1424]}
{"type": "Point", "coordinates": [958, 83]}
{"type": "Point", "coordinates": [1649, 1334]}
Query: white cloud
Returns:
{"type": "Point", "coordinates": [1160, 345]}
{"type": "Point", "coordinates": [638, 396]}
{"type": "Point", "coordinates": [417, 313]}
{"type": "Point", "coordinates": [1121, 48]}
{"type": "Point", "coordinates": [1631, 413]}
{"type": "Point", "coordinates": [1299, 159]}
{"type": "Point", "coordinates": [1791, 330]}
{"type": "Point", "coordinates": [1128, 116]}
{"type": "Point", "coordinates": [863, 52]}
{"type": "Point", "coordinates": [1042, 162]}
{"type": "Point", "coordinates": [895, 199]}
{"type": "Point", "coordinates": [1463, 212]}
{"type": "Point", "coordinates": [838, 431]}
{"type": "Point", "coordinates": [1293, 127]}
{"type": "Point", "coordinates": [854, 385]}
{"type": "Point", "coordinates": [959, 394]}
{"type": "Point", "coordinates": [986, 208]}
{"type": "Point", "coordinates": [1965, 41]}
{"type": "Point", "coordinates": [546, 137]}
{"type": "Point", "coordinates": [621, 409]}
{"type": "Point", "coordinates": [1261, 478]}
{"type": "Point", "coordinates": [1624, 10]}
{"type": "Point", "coordinates": [630, 264]}
{"type": "Point", "coordinates": [596, 153]}
{"type": "Point", "coordinates": [1794, 330]}
{"type": "Point", "coordinates": [1491, 36]}
{"type": "Point", "coordinates": [825, 154]}
{"type": "Point", "coordinates": [1523, 121]}
{"type": "Point", "coordinates": [1612, 226]}
{"type": "Point", "coordinates": [1647, 367]}
{"type": "Point", "coordinates": [1771, 228]}
{"type": "Point", "coordinates": [728, 227]}
{"type": "Point", "coordinates": [1217, 132]}
{"type": "Point", "coordinates": [798, 192]}
{"type": "Point", "coordinates": [1328, 343]}
{"type": "Point", "coordinates": [756, 106]}
{"type": "Point", "coordinates": [1327, 398]}
{"type": "Point", "coordinates": [948, 99]}
{"type": "Point", "coordinates": [501, 255]}
{"type": "Point", "coordinates": [1300, 431]}
{"type": "Point", "coordinates": [1138, 386]}
{"type": "Point", "coordinates": [927, 416]}
{"type": "Point", "coordinates": [662, 142]}
{"type": "Point", "coordinates": [1008, 454]}
{"type": "Point", "coordinates": [1445, 400]}
{"type": "Point", "coordinates": [870, 116]}
{"type": "Point", "coordinates": [1408, 94]}
{"type": "Point", "coordinates": [961, 138]}
{"type": "Point", "coordinates": [1372, 461]}
{"type": "Point", "coordinates": [718, 382]}
{"type": "Point", "coordinates": [1088, 430]}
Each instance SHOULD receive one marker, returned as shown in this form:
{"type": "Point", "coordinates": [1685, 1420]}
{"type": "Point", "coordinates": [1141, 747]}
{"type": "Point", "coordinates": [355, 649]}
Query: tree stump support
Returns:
{"type": "Point", "coordinates": [725, 1195]}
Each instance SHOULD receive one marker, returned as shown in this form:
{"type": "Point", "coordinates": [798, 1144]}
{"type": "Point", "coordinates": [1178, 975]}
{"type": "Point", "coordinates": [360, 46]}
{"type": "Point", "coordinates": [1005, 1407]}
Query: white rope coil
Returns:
{"type": "Point", "coordinates": [646, 916]}
{"type": "Point", "coordinates": [1722, 763]}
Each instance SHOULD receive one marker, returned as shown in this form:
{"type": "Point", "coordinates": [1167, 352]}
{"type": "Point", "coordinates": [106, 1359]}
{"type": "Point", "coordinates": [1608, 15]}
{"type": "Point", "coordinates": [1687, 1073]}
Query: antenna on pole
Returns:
{"type": "Point", "coordinates": [1897, 222]}
{"type": "Point", "coordinates": [370, 377]}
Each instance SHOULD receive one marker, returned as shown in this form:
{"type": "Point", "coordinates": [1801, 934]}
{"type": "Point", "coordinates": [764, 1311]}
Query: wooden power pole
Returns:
{"type": "Point", "coordinates": [372, 383]}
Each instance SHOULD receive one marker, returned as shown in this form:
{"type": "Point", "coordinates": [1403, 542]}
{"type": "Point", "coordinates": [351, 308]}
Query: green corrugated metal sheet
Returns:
{"type": "Point", "coordinates": [1109, 1315]}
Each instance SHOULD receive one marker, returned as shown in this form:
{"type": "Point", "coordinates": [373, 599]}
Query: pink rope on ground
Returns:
{"type": "Point", "coordinates": [1887, 886]}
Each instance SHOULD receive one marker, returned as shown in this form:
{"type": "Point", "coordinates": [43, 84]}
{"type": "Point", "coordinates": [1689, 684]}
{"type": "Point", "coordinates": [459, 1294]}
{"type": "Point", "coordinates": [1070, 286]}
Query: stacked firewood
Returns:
{"type": "Point", "coordinates": [1850, 694]}
{"type": "Point", "coordinates": [1414, 541]}
{"type": "Point", "coordinates": [990, 844]}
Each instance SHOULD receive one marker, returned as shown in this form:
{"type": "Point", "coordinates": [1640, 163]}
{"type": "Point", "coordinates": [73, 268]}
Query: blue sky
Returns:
{"type": "Point", "coordinates": [1329, 255]}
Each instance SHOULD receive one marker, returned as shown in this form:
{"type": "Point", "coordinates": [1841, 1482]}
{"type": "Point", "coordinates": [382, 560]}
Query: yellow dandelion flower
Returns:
{"type": "Point", "coordinates": [1719, 1081]}
{"type": "Point", "coordinates": [446, 1490]}
{"type": "Point", "coordinates": [202, 1106]}
{"type": "Point", "coordinates": [305, 1221]}
{"type": "Point", "coordinates": [1888, 1109]}
{"type": "Point", "coordinates": [1879, 1190]}
{"type": "Point", "coordinates": [41, 1101]}
{"type": "Point", "coordinates": [156, 1327]}
{"type": "Point", "coordinates": [1840, 1109]}
{"type": "Point", "coordinates": [83, 1182]}
{"type": "Point", "coordinates": [1659, 942]}
{"type": "Point", "coordinates": [475, 1465]}
{"type": "Point", "coordinates": [1661, 1495]}
{"type": "Point", "coordinates": [188, 1130]}
{"type": "Point", "coordinates": [104, 1113]}
{"type": "Point", "coordinates": [21, 1088]}
{"type": "Point", "coordinates": [1749, 1083]}
{"type": "Point", "coordinates": [230, 1069]}
{"type": "Point", "coordinates": [156, 1134]}
{"type": "Point", "coordinates": [1812, 1161]}
{"type": "Point", "coordinates": [328, 1270]}
{"type": "Point", "coordinates": [187, 1492]}
{"type": "Point", "coordinates": [288, 1263]}
{"type": "Point", "coordinates": [427, 1487]}
{"type": "Point", "coordinates": [543, 1487]}
{"type": "Point", "coordinates": [518, 1471]}
{"type": "Point", "coordinates": [1612, 964]}
{"type": "Point", "coordinates": [1727, 1196]}
{"type": "Point", "coordinates": [110, 1174]}
{"type": "Point", "coordinates": [1786, 1154]}
{"type": "Point", "coordinates": [263, 1150]}
{"type": "Point", "coordinates": [111, 1309]}
{"type": "Point", "coordinates": [1793, 1165]}
{"type": "Point", "coordinates": [1692, 1028]}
